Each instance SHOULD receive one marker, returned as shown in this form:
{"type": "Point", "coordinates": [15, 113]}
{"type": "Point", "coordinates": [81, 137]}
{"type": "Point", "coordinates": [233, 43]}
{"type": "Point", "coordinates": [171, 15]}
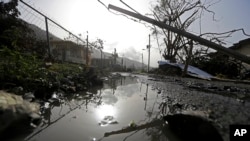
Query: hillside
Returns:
{"type": "Point", "coordinates": [40, 33]}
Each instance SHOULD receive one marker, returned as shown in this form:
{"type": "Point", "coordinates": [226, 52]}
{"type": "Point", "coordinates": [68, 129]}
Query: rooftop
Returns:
{"type": "Point", "coordinates": [241, 43]}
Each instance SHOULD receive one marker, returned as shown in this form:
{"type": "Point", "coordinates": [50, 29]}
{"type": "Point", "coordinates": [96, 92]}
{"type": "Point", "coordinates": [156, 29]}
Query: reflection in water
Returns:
{"type": "Point", "coordinates": [120, 101]}
{"type": "Point", "coordinates": [105, 110]}
{"type": "Point", "coordinates": [108, 97]}
{"type": "Point", "coordinates": [146, 98]}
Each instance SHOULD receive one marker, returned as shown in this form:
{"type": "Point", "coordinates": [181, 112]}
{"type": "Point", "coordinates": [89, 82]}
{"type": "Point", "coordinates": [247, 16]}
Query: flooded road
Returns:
{"type": "Point", "coordinates": [123, 101]}
{"type": "Point", "coordinates": [123, 107]}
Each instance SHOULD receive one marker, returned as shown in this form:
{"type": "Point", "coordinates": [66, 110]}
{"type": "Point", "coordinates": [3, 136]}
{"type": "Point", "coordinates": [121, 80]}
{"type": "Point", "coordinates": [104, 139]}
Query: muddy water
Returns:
{"type": "Point", "coordinates": [122, 101]}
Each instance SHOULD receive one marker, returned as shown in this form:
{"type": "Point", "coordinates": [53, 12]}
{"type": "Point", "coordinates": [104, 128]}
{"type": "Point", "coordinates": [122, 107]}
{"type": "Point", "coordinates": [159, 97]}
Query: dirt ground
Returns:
{"type": "Point", "coordinates": [224, 103]}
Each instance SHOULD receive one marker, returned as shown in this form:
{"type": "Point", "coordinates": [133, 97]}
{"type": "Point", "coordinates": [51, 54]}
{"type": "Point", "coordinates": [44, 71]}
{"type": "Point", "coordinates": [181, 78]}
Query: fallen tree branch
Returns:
{"type": "Point", "coordinates": [157, 122]}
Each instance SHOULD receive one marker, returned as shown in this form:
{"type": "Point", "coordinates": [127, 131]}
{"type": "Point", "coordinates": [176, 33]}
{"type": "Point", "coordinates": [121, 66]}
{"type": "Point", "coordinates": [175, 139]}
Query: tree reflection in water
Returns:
{"type": "Point", "coordinates": [54, 110]}
{"type": "Point", "coordinates": [151, 125]}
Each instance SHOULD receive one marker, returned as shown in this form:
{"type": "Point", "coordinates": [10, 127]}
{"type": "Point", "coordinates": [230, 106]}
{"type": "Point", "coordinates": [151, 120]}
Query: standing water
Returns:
{"type": "Point", "coordinates": [124, 101]}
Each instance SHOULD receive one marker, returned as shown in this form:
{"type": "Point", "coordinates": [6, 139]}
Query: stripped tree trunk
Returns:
{"type": "Point", "coordinates": [189, 55]}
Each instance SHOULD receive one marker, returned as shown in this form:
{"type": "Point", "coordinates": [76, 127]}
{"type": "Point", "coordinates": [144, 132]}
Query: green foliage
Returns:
{"type": "Point", "coordinates": [9, 8]}
{"type": "Point", "coordinates": [22, 55]}
{"type": "Point", "coordinates": [14, 32]}
{"type": "Point", "coordinates": [26, 70]}
{"type": "Point", "coordinates": [21, 66]}
{"type": "Point", "coordinates": [8, 22]}
{"type": "Point", "coordinates": [66, 68]}
{"type": "Point", "coordinates": [40, 49]}
{"type": "Point", "coordinates": [10, 36]}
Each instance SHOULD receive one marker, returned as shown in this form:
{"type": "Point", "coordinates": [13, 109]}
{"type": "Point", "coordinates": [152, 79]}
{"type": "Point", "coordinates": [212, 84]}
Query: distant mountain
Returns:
{"type": "Point", "coordinates": [41, 34]}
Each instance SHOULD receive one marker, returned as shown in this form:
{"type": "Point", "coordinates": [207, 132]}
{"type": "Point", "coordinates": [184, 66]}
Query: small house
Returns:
{"type": "Point", "coordinates": [69, 51]}
{"type": "Point", "coordinates": [243, 47]}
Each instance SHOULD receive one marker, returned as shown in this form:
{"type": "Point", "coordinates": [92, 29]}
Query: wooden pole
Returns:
{"type": "Point", "coordinates": [87, 51]}
{"type": "Point", "coordinates": [193, 37]}
{"type": "Point", "coordinates": [148, 52]}
{"type": "Point", "coordinates": [47, 34]}
{"type": "Point", "coordinates": [141, 62]}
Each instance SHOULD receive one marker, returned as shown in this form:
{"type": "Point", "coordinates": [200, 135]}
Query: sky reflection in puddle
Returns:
{"type": "Point", "coordinates": [113, 107]}
{"type": "Point", "coordinates": [105, 110]}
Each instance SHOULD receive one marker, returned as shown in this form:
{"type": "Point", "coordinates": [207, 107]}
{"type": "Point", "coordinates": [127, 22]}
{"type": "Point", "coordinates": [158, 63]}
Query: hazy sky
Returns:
{"type": "Point", "coordinates": [129, 37]}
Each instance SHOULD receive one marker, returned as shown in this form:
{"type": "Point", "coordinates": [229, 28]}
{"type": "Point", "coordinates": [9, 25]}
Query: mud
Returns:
{"type": "Point", "coordinates": [131, 107]}
{"type": "Point", "coordinates": [225, 103]}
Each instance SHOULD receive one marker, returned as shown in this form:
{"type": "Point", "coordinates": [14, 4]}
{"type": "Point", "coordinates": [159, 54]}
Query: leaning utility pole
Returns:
{"type": "Point", "coordinates": [193, 37]}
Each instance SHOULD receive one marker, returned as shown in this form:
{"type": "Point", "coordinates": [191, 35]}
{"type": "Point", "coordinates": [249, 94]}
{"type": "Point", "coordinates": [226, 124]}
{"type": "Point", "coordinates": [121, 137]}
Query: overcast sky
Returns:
{"type": "Point", "coordinates": [129, 37]}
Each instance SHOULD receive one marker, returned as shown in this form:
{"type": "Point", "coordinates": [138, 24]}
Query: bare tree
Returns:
{"type": "Point", "coordinates": [182, 14]}
{"type": "Point", "coordinates": [98, 44]}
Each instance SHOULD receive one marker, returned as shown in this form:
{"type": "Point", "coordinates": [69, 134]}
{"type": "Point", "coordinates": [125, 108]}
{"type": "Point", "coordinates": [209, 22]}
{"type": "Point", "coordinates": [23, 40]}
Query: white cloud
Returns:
{"type": "Point", "coordinates": [131, 53]}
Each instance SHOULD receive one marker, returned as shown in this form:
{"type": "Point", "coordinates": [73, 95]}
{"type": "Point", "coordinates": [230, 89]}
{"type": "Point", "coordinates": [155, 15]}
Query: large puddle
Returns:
{"type": "Point", "coordinates": [122, 101]}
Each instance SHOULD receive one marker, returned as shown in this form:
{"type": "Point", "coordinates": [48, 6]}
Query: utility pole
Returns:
{"type": "Point", "coordinates": [141, 62]}
{"type": "Point", "coordinates": [148, 52]}
{"type": "Point", "coordinates": [104, 60]}
{"type": "Point", "coordinates": [115, 56]}
{"type": "Point", "coordinates": [101, 59]}
{"type": "Point", "coordinates": [47, 35]}
{"type": "Point", "coordinates": [193, 37]}
{"type": "Point", "coordinates": [122, 62]}
{"type": "Point", "coordinates": [87, 50]}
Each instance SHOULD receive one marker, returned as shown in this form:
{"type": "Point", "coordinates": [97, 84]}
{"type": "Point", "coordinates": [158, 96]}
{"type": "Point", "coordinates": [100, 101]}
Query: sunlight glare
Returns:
{"type": "Point", "coordinates": [105, 110]}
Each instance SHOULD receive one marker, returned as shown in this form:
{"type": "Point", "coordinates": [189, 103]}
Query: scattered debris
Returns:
{"type": "Point", "coordinates": [16, 113]}
{"type": "Point", "coordinates": [132, 124]}
{"type": "Point", "coordinates": [107, 120]}
{"type": "Point", "coordinates": [191, 71]}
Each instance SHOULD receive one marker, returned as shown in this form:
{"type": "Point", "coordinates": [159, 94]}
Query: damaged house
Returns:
{"type": "Point", "coordinates": [217, 64]}
{"type": "Point", "coordinates": [243, 47]}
